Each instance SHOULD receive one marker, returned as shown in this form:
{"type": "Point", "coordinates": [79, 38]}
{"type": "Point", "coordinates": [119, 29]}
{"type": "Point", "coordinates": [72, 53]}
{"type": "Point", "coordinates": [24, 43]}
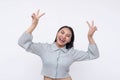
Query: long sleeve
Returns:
{"type": "Point", "coordinates": [25, 41]}
{"type": "Point", "coordinates": [91, 53]}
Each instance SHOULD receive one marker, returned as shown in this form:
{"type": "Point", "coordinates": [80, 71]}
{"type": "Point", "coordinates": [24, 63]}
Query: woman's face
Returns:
{"type": "Point", "coordinates": [63, 37]}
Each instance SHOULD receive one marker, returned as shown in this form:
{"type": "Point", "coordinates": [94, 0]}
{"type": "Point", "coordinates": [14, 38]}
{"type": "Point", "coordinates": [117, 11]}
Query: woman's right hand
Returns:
{"type": "Point", "coordinates": [36, 16]}
{"type": "Point", "coordinates": [35, 19]}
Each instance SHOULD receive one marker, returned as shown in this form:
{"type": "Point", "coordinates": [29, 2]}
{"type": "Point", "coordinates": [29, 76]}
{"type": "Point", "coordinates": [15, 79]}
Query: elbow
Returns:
{"type": "Point", "coordinates": [24, 44]}
{"type": "Point", "coordinates": [96, 56]}
{"type": "Point", "coordinates": [20, 43]}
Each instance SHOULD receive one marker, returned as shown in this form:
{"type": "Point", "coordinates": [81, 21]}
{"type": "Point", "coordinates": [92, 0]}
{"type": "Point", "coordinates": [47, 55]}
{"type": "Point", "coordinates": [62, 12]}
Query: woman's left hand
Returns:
{"type": "Point", "coordinates": [92, 29]}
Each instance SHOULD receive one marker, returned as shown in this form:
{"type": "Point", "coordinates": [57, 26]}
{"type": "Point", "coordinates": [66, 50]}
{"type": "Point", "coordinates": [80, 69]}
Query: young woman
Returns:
{"type": "Point", "coordinates": [58, 56]}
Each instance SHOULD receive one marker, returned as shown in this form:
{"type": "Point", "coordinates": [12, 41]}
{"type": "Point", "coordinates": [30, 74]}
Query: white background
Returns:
{"type": "Point", "coordinates": [15, 18]}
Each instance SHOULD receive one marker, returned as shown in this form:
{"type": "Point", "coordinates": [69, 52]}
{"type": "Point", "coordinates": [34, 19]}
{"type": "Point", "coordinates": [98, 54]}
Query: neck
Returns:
{"type": "Point", "coordinates": [60, 46]}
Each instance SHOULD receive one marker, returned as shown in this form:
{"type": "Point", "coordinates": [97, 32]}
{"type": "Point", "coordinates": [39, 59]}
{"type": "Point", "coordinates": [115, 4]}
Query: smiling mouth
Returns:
{"type": "Point", "coordinates": [61, 40]}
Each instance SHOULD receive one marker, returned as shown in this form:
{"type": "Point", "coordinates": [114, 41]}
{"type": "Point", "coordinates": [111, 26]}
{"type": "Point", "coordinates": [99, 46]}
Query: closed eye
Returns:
{"type": "Point", "coordinates": [68, 35]}
{"type": "Point", "coordinates": [62, 32]}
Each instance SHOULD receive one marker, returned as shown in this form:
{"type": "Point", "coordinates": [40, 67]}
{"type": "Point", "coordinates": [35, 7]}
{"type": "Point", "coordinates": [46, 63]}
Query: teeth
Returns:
{"type": "Point", "coordinates": [61, 40]}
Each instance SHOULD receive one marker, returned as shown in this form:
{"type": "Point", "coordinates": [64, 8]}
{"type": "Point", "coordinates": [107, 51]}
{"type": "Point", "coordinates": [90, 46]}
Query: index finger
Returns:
{"type": "Point", "coordinates": [38, 11]}
{"type": "Point", "coordinates": [93, 23]}
{"type": "Point", "coordinates": [41, 15]}
{"type": "Point", "coordinates": [88, 23]}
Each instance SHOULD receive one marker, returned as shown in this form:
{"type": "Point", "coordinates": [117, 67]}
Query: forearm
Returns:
{"type": "Point", "coordinates": [91, 40]}
{"type": "Point", "coordinates": [31, 28]}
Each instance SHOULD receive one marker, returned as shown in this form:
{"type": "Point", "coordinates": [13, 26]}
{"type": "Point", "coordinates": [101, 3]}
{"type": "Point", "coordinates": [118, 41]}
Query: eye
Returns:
{"type": "Point", "coordinates": [62, 32]}
{"type": "Point", "coordinates": [68, 35]}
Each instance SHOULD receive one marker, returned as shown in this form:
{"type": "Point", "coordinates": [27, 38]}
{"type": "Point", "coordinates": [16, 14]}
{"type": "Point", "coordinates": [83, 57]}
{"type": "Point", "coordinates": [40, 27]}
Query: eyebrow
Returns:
{"type": "Point", "coordinates": [68, 33]}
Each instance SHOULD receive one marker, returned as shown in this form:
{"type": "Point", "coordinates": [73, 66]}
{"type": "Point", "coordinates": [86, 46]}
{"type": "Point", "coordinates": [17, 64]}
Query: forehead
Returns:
{"type": "Point", "coordinates": [67, 30]}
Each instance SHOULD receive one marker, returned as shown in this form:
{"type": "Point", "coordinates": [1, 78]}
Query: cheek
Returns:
{"type": "Point", "coordinates": [57, 37]}
{"type": "Point", "coordinates": [68, 39]}
{"type": "Point", "coordinates": [58, 34]}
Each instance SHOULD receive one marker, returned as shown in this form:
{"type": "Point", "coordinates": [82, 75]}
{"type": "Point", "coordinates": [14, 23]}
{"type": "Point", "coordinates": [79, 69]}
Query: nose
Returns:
{"type": "Point", "coordinates": [63, 36]}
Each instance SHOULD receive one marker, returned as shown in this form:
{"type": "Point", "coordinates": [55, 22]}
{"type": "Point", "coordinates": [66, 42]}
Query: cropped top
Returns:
{"type": "Point", "coordinates": [56, 61]}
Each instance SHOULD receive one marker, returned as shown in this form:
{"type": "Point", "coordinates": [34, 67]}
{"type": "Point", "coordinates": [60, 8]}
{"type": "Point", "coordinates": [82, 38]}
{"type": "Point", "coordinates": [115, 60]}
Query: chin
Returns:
{"type": "Point", "coordinates": [61, 44]}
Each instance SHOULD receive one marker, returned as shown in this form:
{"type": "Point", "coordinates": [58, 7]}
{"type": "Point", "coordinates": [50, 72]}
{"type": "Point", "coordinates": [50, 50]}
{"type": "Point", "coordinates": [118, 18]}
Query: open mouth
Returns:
{"type": "Point", "coordinates": [61, 40]}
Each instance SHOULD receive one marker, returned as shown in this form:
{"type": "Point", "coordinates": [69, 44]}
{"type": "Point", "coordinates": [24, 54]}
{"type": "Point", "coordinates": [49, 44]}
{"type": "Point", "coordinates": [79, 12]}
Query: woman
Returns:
{"type": "Point", "coordinates": [58, 56]}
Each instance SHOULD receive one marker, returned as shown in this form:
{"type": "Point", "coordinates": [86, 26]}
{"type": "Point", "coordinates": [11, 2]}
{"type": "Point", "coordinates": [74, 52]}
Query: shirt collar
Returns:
{"type": "Point", "coordinates": [55, 48]}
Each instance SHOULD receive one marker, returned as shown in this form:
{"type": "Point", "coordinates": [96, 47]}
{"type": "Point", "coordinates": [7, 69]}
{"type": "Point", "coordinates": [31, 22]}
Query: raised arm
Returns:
{"type": "Point", "coordinates": [92, 29]}
{"type": "Point", "coordinates": [26, 38]}
{"type": "Point", "coordinates": [35, 19]}
{"type": "Point", "coordinates": [92, 52]}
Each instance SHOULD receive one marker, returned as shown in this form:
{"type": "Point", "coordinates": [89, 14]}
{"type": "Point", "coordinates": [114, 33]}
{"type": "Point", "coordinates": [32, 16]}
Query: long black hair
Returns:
{"type": "Point", "coordinates": [71, 43]}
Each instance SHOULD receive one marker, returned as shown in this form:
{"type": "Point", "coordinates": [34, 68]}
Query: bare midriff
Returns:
{"type": "Point", "coordinates": [48, 78]}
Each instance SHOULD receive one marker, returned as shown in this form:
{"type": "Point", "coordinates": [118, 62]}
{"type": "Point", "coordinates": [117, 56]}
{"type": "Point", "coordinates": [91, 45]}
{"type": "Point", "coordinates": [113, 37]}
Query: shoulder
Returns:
{"type": "Point", "coordinates": [44, 44]}
{"type": "Point", "coordinates": [72, 50]}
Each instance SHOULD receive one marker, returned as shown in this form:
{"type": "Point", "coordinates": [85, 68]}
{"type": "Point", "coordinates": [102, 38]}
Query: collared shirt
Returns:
{"type": "Point", "coordinates": [56, 61]}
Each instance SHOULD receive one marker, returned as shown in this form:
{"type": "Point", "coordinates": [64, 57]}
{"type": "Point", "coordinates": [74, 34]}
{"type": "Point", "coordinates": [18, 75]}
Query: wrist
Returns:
{"type": "Point", "coordinates": [90, 36]}
{"type": "Point", "coordinates": [33, 25]}
{"type": "Point", "coordinates": [91, 40]}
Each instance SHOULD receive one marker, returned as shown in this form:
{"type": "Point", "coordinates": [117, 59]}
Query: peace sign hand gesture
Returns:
{"type": "Point", "coordinates": [36, 17]}
{"type": "Point", "coordinates": [92, 29]}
